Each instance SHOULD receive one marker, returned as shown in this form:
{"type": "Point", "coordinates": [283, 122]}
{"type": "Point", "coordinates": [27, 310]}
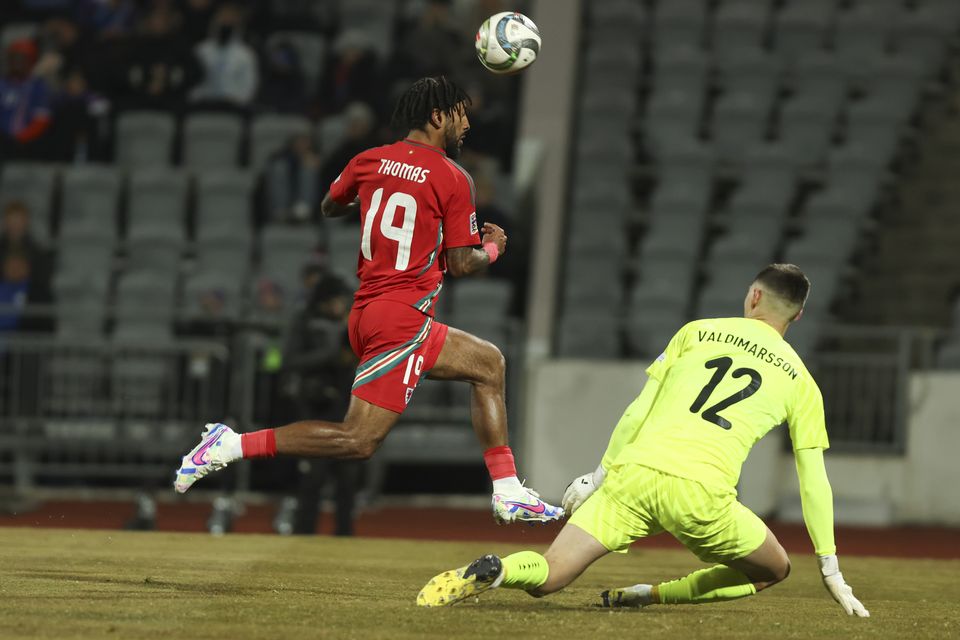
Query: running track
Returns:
{"type": "Point", "coordinates": [468, 524]}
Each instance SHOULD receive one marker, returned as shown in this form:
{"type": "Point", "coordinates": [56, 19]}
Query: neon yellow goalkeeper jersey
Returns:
{"type": "Point", "coordinates": [724, 383]}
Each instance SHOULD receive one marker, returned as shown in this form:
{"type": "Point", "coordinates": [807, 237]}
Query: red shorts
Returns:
{"type": "Point", "coordinates": [396, 345]}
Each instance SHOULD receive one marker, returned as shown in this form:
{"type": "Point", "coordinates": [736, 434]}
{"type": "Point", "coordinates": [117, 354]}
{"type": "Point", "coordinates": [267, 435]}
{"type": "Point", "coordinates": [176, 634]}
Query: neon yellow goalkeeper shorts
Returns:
{"type": "Point", "coordinates": [635, 501]}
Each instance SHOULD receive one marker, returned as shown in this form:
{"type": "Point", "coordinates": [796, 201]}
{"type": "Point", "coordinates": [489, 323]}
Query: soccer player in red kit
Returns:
{"type": "Point", "coordinates": [418, 220]}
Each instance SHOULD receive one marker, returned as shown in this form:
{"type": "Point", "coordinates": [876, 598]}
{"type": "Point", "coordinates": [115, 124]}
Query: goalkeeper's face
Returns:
{"type": "Point", "coordinates": [456, 126]}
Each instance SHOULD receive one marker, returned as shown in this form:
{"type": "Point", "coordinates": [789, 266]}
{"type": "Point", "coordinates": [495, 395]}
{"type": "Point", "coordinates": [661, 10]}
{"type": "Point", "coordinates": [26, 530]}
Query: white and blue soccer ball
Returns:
{"type": "Point", "coordinates": [507, 42]}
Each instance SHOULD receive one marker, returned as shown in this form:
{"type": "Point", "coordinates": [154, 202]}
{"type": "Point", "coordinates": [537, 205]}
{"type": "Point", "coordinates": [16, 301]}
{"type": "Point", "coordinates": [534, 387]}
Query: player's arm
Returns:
{"type": "Point", "coordinates": [808, 432]}
{"type": "Point", "coordinates": [629, 426]}
{"type": "Point", "coordinates": [330, 208]}
{"type": "Point", "coordinates": [465, 261]}
{"type": "Point", "coordinates": [343, 197]}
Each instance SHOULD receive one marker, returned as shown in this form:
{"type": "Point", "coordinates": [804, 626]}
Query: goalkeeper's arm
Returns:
{"type": "Point", "coordinates": [816, 498]}
{"type": "Point", "coordinates": [623, 434]}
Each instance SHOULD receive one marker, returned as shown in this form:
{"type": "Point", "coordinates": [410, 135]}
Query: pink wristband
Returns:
{"type": "Point", "coordinates": [492, 251]}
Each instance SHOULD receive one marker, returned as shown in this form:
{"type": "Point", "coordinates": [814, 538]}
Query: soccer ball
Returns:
{"type": "Point", "coordinates": [507, 42]}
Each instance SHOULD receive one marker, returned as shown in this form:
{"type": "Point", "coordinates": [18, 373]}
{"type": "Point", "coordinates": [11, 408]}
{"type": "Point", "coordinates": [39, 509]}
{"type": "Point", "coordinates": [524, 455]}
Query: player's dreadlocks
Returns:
{"type": "Point", "coordinates": [416, 105]}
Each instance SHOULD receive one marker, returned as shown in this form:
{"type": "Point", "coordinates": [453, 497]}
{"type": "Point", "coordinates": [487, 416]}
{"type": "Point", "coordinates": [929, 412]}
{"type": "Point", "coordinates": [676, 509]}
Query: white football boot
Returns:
{"type": "Point", "coordinates": [524, 505]}
{"type": "Point", "coordinates": [206, 457]}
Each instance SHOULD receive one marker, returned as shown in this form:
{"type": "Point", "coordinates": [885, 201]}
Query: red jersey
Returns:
{"type": "Point", "coordinates": [414, 203]}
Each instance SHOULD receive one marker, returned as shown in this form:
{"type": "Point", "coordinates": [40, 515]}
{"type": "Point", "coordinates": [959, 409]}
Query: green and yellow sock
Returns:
{"type": "Point", "coordinates": [525, 570]}
{"type": "Point", "coordinates": [715, 584]}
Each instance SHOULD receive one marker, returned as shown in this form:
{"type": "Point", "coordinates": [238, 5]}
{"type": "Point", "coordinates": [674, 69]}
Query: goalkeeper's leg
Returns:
{"type": "Point", "coordinates": [762, 568]}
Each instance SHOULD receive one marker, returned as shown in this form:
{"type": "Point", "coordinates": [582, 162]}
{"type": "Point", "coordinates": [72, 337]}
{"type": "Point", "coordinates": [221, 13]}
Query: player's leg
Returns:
{"type": "Point", "coordinates": [467, 358]}
{"type": "Point", "coordinates": [603, 524]}
{"type": "Point", "coordinates": [357, 437]}
{"type": "Point", "coordinates": [718, 530]}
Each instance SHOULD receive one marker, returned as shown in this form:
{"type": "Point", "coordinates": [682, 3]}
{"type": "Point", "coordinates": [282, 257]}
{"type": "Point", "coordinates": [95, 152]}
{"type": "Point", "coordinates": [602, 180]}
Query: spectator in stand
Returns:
{"type": "Point", "coordinates": [434, 46]}
{"type": "Point", "coordinates": [24, 105]}
{"type": "Point", "coordinates": [283, 83]}
{"type": "Point", "coordinates": [229, 64]}
{"type": "Point", "coordinates": [25, 272]}
{"type": "Point", "coordinates": [359, 136]}
{"type": "Point", "coordinates": [352, 74]}
{"type": "Point", "coordinates": [157, 67]}
{"type": "Point", "coordinates": [60, 47]}
{"type": "Point", "coordinates": [292, 181]}
{"type": "Point", "coordinates": [318, 371]}
{"type": "Point", "coordinates": [81, 123]}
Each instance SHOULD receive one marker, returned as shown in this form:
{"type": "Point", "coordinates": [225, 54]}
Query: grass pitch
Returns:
{"type": "Point", "coordinates": [105, 584]}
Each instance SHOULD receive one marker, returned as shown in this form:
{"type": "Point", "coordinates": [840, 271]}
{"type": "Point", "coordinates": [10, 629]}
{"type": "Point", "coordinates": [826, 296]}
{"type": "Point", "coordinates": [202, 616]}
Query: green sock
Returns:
{"type": "Point", "coordinates": [707, 585]}
{"type": "Point", "coordinates": [525, 570]}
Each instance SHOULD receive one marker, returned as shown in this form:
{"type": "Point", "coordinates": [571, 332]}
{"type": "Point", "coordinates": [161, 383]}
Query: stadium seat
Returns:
{"type": "Point", "coordinates": [615, 21]}
{"type": "Point", "coordinates": [85, 252]}
{"type": "Point", "coordinates": [80, 298]}
{"type": "Point", "coordinates": [679, 22]}
{"type": "Point", "coordinates": [671, 117]}
{"type": "Point", "coordinates": [740, 120]}
{"type": "Point", "coordinates": [223, 203]}
{"type": "Point", "coordinates": [342, 247]}
{"type": "Point", "coordinates": [806, 129]}
{"type": "Point", "coordinates": [682, 70]}
{"type": "Point", "coordinates": [145, 139]}
{"type": "Point", "coordinates": [212, 140]}
{"type": "Point", "coordinates": [34, 185]}
{"type": "Point", "coordinates": [14, 31]}
{"type": "Point", "coordinates": [588, 336]}
{"type": "Point", "coordinates": [157, 202]}
{"type": "Point", "coordinates": [270, 132]}
{"type": "Point", "coordinates": [740, 24]}
{"type": "Point", "coordinates": [285, 250]}
{"type": "Point", "coordinates": [722, 296]}
{"type": "Point", "coordinates": [145, 297]}
{"type": "Point", "coordinates": [650, 328]}
{"type": "Point", "coordinates": [802, 27]}
{"type": "Point", "coordinates": [227, 254]}
{"type": "Point", "coordinates": [750, 71]}
{"type": "Point", "coordinates": [819, 75]}
{"type": "Point", "coordinates": [487, 298]}
{"type": "Point", "coordinates": [331, 132]}
{"type": "Point", "coordinates": [91, 194]}
{"type": "Point", "coordinates": [154, 249]}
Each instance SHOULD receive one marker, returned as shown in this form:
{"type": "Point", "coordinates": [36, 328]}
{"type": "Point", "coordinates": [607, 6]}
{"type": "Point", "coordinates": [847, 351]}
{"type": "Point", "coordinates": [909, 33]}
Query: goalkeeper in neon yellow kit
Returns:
{"type": "Point", "coordinates": [673, 463]}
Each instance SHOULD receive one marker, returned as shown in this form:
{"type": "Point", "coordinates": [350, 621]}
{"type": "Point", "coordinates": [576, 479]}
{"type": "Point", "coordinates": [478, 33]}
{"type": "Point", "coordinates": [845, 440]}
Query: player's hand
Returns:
{"type": "Point", "coordinates": [582, 488]}
{"type": "Point", "coordinates": [577, 493]}
{"type": "Point", "coordinates": [840, 590]}
{"type": "Point", "coordinates": [493, 233]}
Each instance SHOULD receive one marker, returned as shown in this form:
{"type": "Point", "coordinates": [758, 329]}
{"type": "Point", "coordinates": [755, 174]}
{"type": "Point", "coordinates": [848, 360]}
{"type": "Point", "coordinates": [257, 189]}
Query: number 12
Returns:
{"type": "Point", "coordinates": [722, 365]}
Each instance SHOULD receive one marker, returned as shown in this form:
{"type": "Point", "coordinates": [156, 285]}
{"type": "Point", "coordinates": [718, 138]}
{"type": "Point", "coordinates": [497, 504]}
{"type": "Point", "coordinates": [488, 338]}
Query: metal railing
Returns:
{"type": "Point", "coordinates": [864, 374]}
{"type": "Point", "coordinates": [100, 410]}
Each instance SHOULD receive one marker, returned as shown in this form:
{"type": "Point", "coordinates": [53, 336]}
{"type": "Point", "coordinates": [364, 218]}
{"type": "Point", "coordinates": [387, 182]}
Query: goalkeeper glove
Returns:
{"type": "Point", "coordinates": [840, 590]}
{"type": "Point", "coordinates": [582, 488]}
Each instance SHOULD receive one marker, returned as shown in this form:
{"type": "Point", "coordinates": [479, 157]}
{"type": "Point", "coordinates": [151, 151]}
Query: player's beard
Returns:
{"type": "Point", "coordinates": [452, 143]}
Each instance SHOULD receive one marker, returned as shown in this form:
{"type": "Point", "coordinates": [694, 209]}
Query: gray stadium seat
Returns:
{"type": "Point", "coordinates": [82, 252]}
{"type": "Point", "coordinates": [91, 194]}
{"type": "Point", "coordinates": [679, 22]}
{"type": "Point", "coordinates": [285, 250]}
{"type": "Point", "coordinates": [155, 250]}
{"type": "Point", "coordinates": [747, 248]}
{"type": "Point", "coordinates": [802, 27]}
{"type": "Point", "coordinates": [924, 33]}
{"type": "Point", "coordinates": [592, 282]}
{"type": "Point", "coordinates": [145, 139]}
{"type": "Point", "coordinates": [331, 132]}
{"type": "Point", "coordinates": [819, 75]}
{"type": "Point", "coordinates": [948, 355]}
{"type": "Point", "coordinates": [212, 140]}
{"type": "Point", "coordinates": [806, 129]}
{"type": "Point", "coordinates": [80, 298]}
{"type": "Point", "coordinates": [486, 298]}
{"type": "Point", "coordinates": [34, 185]}
{"type": "Point", "coordinates": [650, 328]}
{"type": "Point", "coordinates": [722, 296]}
{"type": "Point", "coordinates": [145, 297]}
{"type": "Point", "coordinates": [343, 248]}
{"type": "Point", "coordinates": [682, 70]}
{"type": "Point", "coordinates": [223, 203]}
{"type": "Point", "coordinates": [229, 254]}
{"type": "Point", "coordinates": [271, 132]}
{"type": "Point", "coordinates": [740, 23]}
{"type": "Point", "coordinates": [740, 121]}
{"type": "Point", "coordinates": [157, 203]}
{"type": "Point", "coordinates": [750, 71]}
{"type": "Point", "coordinates": [588, 336]}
